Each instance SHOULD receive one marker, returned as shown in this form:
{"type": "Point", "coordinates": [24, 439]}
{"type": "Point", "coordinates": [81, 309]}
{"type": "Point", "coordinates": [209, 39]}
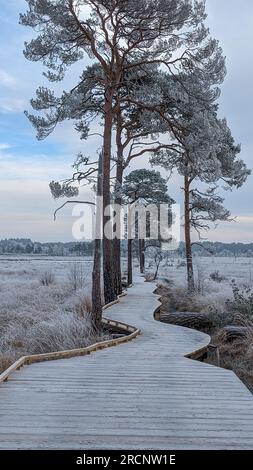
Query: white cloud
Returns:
{"type": "Point", "coordinates": [12, 105]}
{"type": "Point", "coordinates": [37, 167]}
{"type": "Point", "coordinates": [27, 208]}
{"type": "Point", "coordinates": [6, 79]}
{"type": "Point", "coordinates": [4, 147]}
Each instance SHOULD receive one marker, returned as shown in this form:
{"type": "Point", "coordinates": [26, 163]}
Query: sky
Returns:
{"type": "Point", "coordinates": [27, 165]}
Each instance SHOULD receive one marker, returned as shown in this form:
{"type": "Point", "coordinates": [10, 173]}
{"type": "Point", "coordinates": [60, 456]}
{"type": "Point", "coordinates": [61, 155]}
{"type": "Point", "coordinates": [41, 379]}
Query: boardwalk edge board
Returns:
{"type": "Point", "coordinates": [131, 332]}
{"type": "Point", "coordinates": [146, 394]}
{"type": "Point", "coordinates": [197, 354]}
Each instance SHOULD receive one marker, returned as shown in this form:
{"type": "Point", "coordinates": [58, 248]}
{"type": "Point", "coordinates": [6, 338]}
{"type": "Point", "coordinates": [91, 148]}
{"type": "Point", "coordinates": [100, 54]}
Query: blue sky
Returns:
{"type": "Point", "coordinates": [27, 166]}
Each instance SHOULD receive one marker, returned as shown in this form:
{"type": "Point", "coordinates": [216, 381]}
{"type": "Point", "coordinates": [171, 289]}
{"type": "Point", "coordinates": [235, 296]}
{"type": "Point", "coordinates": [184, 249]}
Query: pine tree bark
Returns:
{"type": "Point", "coordinates": [130, 262]}
{"type": "Point", "coordinates": [142, 255]}
{"type": "Point", "coordinates": [108, 265]}
{"type": "Point", "coordinates": [187, 228]}
{"type": "Point", "coordinates": [96, 273]}
{"type": "Point", "coordinates": [117, 241]}
{"type": "Point", "coordinates": [118, 201]}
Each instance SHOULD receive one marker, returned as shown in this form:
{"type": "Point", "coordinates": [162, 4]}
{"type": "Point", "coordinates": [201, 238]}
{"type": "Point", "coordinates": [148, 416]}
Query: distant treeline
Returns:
{"type": "Point", "coordinates": [220, 249]}
{"type": "Point", "coordinates": [27, 246]}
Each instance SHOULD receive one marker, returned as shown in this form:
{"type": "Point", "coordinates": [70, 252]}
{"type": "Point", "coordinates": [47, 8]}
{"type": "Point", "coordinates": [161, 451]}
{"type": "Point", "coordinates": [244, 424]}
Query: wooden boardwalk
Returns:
{"type": "Point", "coordinates": [140, 395]}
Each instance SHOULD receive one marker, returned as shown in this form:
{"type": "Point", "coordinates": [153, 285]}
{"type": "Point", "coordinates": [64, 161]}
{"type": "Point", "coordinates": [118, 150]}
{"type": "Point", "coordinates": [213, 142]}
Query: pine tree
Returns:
{"type": "Point", "coordinates": [208, 156]}
{"type": "Point", "coordinates": [146, 187]}
{"type": "Point", "coordinates": [119, 36]}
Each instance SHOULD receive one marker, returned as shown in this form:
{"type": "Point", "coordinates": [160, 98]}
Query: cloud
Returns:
{"type": "Point", "coordinates": [39, 167]}
{"type": "Point", "coordinates": [27, 208]}
{"type": "Point", "coordinates": [24, 178]}
{"type": "Point", "coordinates": [6, 79]}
{"type": "Point", "coordinates": [12, 105]}
{"type": "Point", "coordinates": [238, 232]}
{"type": "Point", "coordinates": [5, 147]}
{"type": "Point", "coordinates": [248, 219]}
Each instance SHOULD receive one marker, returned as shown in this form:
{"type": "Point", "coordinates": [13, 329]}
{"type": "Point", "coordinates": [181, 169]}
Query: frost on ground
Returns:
{"type": "Point", "coordinates": [223, 298]}
{"type": "Point", "coordinates": [213, 276]}
{"type": "Point", "coordinates": [229, 268]}
{"type": "Point", "coordinates": [44, 306]}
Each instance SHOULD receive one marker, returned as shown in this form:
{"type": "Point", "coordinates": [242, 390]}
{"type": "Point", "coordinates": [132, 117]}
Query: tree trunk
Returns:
{"type": "Point", "coordinates": [232, 333]}
{"type": "Point", "coordinates": [187, 228]}
{"type": "Point", "coordinates": [96, 273]}
{"type": "Point", "coordinates": [130, 262]}
{"type": "Point", "coordinates": [156, 272]}
{"type": "Point", "coordinates": [117, 261]}
{"type": "Point", "coordinates": [108, 265]}
{"type": "Point", "coordinates": [142, 255]}
{"type": "Point", "coordinates": [195, 320]}
{"type": "Point", "coordinates": [118, 201]}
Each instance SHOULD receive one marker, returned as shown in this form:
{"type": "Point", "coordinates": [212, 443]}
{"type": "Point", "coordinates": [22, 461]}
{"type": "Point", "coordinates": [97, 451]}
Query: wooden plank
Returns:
{"type": "Point", "coordinates": [142, 395]}
{"type": "Point", "coordinates": [132, 333]}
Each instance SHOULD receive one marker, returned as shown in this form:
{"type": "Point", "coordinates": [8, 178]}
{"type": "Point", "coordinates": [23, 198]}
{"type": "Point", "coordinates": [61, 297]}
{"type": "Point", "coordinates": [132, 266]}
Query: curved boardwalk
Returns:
{"type": "Point", "coordinates": [144, 394]}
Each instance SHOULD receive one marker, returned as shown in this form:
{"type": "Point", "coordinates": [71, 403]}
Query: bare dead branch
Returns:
{"type": "Point", "coordinates": [72, 202]}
